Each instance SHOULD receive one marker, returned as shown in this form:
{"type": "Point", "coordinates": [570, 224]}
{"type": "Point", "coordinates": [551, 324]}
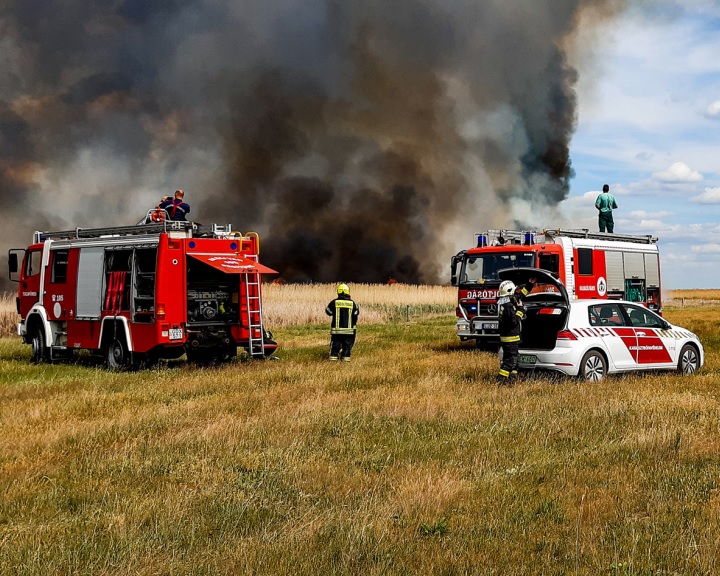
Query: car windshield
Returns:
{"type": "Point", "coordinates": [478, 267]}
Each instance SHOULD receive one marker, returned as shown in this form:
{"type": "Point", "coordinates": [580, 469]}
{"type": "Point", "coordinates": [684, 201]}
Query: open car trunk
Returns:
{"type": "Point", "coordinates": [547, 307]}
{"type": "Point", "coordinates": [541, 327]}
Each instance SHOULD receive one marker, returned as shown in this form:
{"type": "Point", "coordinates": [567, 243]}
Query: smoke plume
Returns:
{"type": "Point", "coordinates": [361, 139]}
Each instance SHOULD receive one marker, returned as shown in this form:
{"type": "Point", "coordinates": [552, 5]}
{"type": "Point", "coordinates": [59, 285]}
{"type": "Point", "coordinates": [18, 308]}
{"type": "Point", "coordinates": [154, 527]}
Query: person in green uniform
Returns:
{"type": "Point", "coordinates": [605, 204]}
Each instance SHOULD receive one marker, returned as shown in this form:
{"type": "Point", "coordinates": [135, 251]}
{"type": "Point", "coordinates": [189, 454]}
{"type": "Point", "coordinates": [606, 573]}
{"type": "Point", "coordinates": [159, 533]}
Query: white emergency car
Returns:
{"type": "Point", "coordinates": [593, 338]}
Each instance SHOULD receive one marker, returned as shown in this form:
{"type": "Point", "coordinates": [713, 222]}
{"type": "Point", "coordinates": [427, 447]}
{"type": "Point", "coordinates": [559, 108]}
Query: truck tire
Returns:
{"type": "Point", "coordinates": [592, 367]}
{"type": "Point", "coordinates": [689, 360]}
{"type": "Point", "coordinates": [40, 352]}
{"type": "Point", "coordinates": [486, 346]}
{"type": "Point", "coordinates": [201, 356]}
{"type": "Point", "coordinates": [116, 354]}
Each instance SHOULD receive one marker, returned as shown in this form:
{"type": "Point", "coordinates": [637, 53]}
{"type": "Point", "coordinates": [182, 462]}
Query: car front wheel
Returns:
{"type": "Point", "coordinates": [689, 360]}
{"type": "Point", "coordinates": [593, 366]}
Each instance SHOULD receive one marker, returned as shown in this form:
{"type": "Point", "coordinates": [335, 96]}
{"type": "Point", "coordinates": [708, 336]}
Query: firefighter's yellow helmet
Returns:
{"type": "Point", "coordinates": [507, 288]}
{"type": "Point", "coordinates": [343, 289]}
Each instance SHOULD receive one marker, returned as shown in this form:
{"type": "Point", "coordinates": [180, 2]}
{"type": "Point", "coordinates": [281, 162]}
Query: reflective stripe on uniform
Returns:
{"type": "Point", "coordinates": [509, 338]}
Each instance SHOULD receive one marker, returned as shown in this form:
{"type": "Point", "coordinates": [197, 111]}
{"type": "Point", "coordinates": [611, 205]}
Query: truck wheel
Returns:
{"type": "Point", "coordinates": [201, 357]}
{"type": "Point", "coordinates": [116, 355]}
{"type": "Point", "coordinates": [689, 360]}
{"type": "Point", "coordinates": [593, 367]}
{"type": "Point", "coordinates": [486, 346]}
{"type": "Point", "coordinates": [40, 352]}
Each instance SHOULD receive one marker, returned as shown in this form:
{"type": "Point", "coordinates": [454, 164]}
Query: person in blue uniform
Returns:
{"type": "Point", "coordinates": [175, 207]}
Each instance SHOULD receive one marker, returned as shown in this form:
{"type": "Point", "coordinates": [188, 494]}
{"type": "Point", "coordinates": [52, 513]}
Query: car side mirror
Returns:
{"type": "Point", "coordinates": [666, 325]}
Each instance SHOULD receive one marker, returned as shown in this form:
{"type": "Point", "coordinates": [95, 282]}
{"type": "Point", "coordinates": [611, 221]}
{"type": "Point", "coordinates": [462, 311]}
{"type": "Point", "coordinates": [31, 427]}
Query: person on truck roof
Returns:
{"type": "Point", "coordinates": [175, 207]}
{"type": "Point", "coordinates": [605, 203]}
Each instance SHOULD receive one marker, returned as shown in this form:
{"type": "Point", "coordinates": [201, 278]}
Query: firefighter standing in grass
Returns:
{"type": "Point", "coordinates": [511, 313]}
{"type": "Point", "coordinates": [344, 314]}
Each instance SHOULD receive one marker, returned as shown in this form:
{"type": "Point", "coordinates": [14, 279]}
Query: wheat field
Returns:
{"type": "Point", "coordinates": [407, 460]}
{"type": "Point", "coordinates": [299, 304]}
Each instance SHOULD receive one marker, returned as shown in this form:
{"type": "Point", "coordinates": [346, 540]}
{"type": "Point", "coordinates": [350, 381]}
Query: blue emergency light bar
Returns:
{"type": "Point", "coordinates": [529, 238]}
{"type": "Point", "coordinates": [482, 240]}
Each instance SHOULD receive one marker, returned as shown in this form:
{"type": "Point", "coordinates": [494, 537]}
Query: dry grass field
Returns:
{"type": "Point", "coordinates": [407, 460]}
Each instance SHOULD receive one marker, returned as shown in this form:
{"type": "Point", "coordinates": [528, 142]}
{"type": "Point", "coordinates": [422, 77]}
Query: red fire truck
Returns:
{"type": "Point", "coordinates": [138, 293]}
{"type": "Point", "coordinates": [590, 265]}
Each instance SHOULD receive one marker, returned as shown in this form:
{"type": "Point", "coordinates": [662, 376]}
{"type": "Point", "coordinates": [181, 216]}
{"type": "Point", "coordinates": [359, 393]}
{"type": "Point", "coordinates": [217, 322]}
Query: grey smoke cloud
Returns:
{"type": "Point", "coordinates": [356, 137]}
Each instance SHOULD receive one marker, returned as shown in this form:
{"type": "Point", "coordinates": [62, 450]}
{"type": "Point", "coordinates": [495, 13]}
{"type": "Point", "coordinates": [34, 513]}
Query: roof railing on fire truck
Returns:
{"type": "Point", "coordinates": [585, 233]}
{"type": "Point", "coordinates": [152, 228]}
{"type": "Point", "coordinates": [503, 237]}
{"type": "Point", "coordinates": [530, 237]}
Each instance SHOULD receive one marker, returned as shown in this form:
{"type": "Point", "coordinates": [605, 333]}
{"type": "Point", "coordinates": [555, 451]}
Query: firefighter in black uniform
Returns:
{"type": "Point", "coordinates": [511, 313]}
{"type": "Point", "coordinates": [344, 314]}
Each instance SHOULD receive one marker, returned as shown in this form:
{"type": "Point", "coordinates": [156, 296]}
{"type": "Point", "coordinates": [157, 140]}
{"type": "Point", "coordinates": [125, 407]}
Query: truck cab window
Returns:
{"type": "Point", "coordinates": [59, 267]}
{"type": "Point", "coordinates": [584, 261]}
{"type": "Point", "coordinates": [549, 262]}
{"type": "Point", "coordinates": [33, 263]}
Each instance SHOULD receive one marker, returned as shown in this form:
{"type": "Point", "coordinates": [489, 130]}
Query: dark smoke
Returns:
{"type": "Point", "coordinates": [361, 139]}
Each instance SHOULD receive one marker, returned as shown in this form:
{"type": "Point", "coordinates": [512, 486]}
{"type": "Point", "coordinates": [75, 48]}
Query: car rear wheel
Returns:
{"type": "Point", "coordinates": [593, 367]}
{"type": "Point", "coordinates": [689, 360]}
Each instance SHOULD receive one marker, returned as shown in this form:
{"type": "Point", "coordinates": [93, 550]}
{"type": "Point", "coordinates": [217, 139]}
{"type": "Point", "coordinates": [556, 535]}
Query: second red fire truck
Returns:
{"type": "Point", "coordinates": [138, 293]}
{"type": "Point", "coordinates": [590, 265]}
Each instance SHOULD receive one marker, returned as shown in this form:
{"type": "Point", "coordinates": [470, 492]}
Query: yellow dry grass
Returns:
{"type": "Point", "coordinates": [8, 314]}
{"type": "Point", "coordinates": [695, 297]}
{"type": "Point", "coordinates": [299, 304]}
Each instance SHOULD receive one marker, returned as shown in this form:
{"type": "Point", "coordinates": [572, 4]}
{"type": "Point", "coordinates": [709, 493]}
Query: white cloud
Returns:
{"type": "Point", "coordinates": [645, 215]}
{"type": "Point", "coordinates": [710, 196]}
{"type": "Point", "coordinates": [678, 172]}
{"type": "Point", "coordinates": [713, 111]}
{"type": "Point", "coordinates": [707, 248]}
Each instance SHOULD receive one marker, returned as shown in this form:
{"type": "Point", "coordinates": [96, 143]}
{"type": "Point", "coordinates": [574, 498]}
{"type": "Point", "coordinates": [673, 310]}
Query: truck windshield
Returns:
{"type": "Point", "coordinates": [478, 267]}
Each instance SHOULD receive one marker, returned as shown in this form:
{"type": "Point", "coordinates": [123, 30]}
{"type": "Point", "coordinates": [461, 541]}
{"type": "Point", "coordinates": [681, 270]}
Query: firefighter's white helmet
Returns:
{"type": "Point", "coordinates": [343, 289]}
{"type": "Point", "coordinates": [507, 288]}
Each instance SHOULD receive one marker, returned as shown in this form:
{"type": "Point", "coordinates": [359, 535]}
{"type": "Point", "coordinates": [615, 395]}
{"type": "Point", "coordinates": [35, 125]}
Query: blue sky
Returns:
{"type": "Point", "coordinates": [649, 126]}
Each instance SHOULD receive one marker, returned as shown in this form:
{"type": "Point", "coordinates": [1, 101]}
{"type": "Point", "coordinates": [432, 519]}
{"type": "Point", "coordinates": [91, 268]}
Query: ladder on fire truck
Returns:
{"type": "Point", "coordinates": [256, 338]}
{"type": "Point", "coordinates": [253, 301]}
{"type": "Point", "coordinates": [585, 233]}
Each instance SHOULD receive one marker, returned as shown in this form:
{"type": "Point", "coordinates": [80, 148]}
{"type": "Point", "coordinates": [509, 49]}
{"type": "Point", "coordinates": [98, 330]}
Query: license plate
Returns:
{"type": "Point", "coordinates": [527, 359]}
{"type": "Point", "coordinates": [489, 325]}
{"type": "Point", "coordinates": [175, 333]}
